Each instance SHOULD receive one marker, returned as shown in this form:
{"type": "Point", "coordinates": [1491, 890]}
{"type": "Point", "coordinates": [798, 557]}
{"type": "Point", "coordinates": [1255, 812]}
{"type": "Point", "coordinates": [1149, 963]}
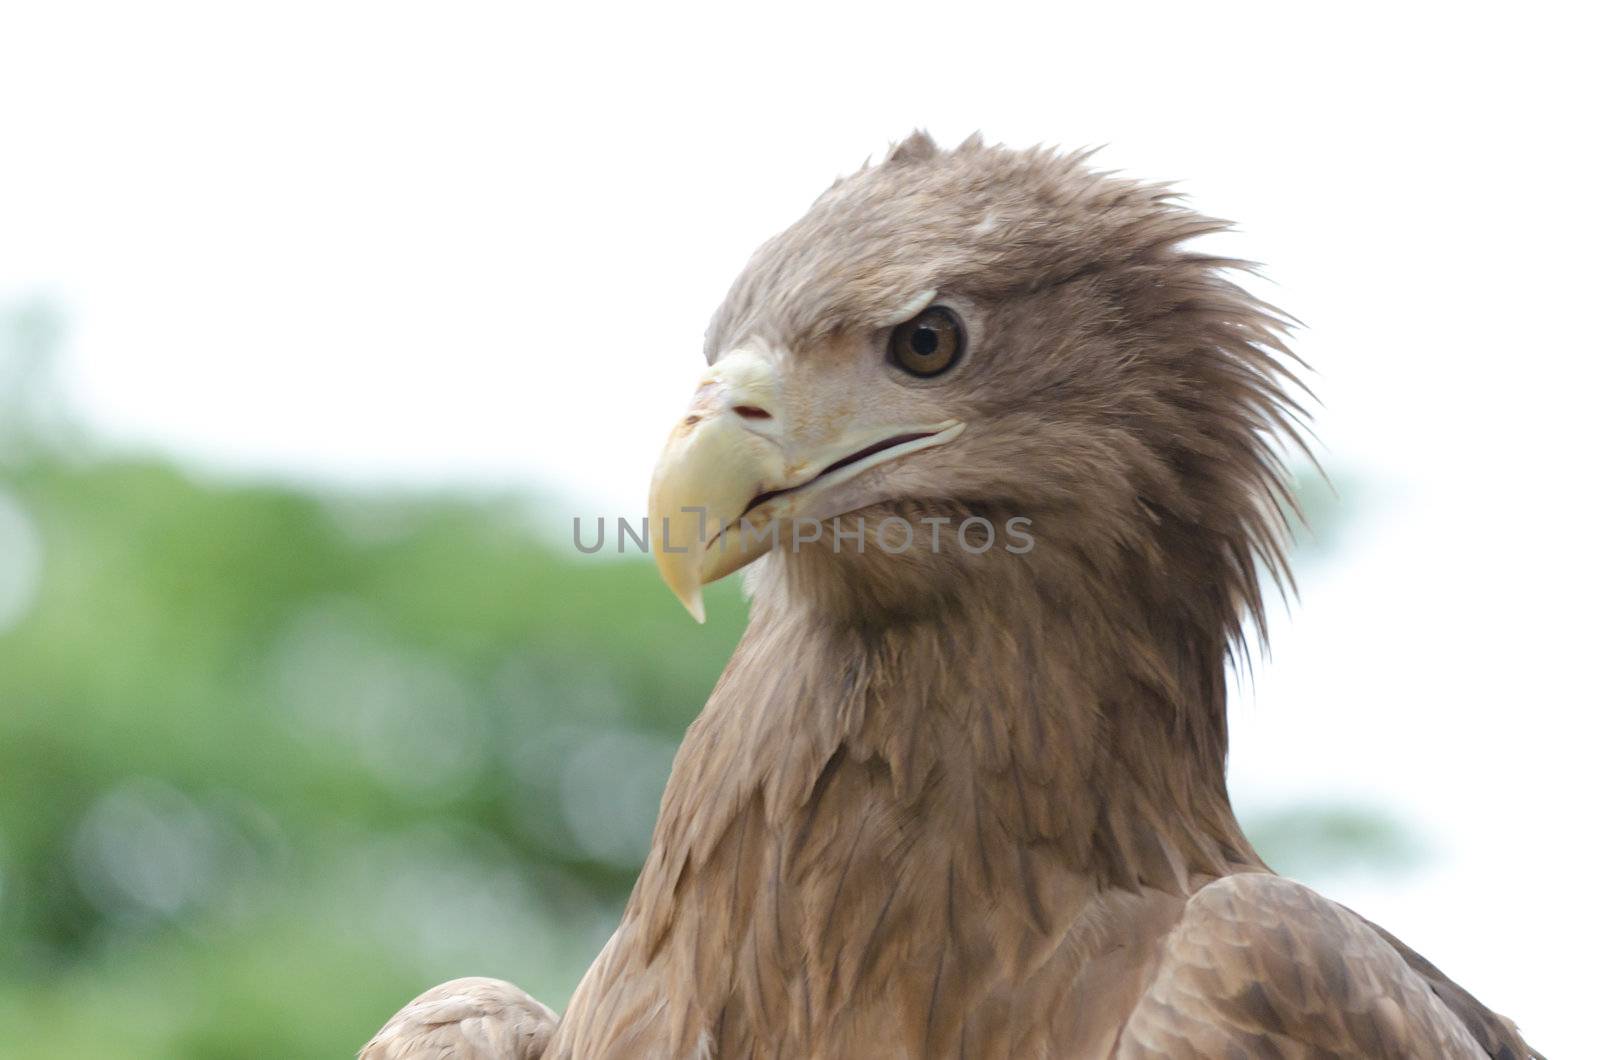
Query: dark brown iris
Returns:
{"type": "Point", "coordinates": [929, 343]}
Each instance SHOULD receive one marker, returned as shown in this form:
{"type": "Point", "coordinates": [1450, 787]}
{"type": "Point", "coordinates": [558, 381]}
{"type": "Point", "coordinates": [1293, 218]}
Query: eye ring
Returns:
{"type": "Point", "coordinates": [929, 344]}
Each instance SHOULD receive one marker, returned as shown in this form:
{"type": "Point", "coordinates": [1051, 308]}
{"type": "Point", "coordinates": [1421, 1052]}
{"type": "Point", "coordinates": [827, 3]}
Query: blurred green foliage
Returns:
{"type": "Point", "coordinates": [273, 760]}
{"type": "Point", "coordinates": [252, 736]}
{"type": "Point", "coordinates": [1315, 840]}
{"type": "Point", "coordinates": [270, 762]}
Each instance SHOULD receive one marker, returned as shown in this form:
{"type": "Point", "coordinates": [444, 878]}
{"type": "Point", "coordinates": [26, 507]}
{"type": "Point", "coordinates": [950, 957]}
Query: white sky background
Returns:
{"type": "Point", "coordinates": [476, 244]}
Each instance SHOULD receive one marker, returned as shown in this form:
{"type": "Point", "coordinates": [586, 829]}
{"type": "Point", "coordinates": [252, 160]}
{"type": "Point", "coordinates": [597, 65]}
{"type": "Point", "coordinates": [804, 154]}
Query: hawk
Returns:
{"type": "Point", "coordinates": [1004, 453]}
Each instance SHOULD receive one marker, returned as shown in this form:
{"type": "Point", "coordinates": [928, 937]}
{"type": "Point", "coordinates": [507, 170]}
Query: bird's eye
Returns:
{"type": "Point", "coordinates": [929, 343]}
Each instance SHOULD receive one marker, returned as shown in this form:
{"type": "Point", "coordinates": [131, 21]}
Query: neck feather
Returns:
{"type": "Point", "coordinates": [1080, 730]}
{"type": "Point", "coordinates": [892, 823]}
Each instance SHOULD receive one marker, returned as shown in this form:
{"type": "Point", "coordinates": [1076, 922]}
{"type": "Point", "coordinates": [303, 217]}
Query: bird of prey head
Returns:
{"type": "Point", "coordinates": [992, 334]}
{"type": "Point", "coordinates": [1012, 337]}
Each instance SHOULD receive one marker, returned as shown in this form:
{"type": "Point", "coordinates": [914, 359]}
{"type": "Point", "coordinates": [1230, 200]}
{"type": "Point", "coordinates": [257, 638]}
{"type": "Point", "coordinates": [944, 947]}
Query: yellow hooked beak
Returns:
{"type": "Point", "coordinates": [744, 461]}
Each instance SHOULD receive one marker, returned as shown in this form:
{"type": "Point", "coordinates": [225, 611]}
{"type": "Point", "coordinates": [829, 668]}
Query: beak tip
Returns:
{"type": "Point", "coordinates": [695, 604]}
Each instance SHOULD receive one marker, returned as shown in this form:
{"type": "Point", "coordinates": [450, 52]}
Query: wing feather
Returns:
{"type": "Point", "coordinates": [466, 1019]}
{"type": "Point", "coordinates": [1261, 966]}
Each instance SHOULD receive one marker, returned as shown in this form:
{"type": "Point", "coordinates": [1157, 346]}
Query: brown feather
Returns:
{"type": "Point", "coordinates": [467, 1019]}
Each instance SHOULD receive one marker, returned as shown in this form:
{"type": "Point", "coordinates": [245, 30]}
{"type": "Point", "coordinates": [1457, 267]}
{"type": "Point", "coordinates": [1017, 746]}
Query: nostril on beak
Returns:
{"type": "Point", "coordinates": [752, 412]}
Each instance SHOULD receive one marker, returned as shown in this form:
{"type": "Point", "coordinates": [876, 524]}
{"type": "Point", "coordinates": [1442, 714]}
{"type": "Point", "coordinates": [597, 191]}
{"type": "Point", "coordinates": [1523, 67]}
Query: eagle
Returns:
{"type": "Point", "coordinates": [1005, 455]}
